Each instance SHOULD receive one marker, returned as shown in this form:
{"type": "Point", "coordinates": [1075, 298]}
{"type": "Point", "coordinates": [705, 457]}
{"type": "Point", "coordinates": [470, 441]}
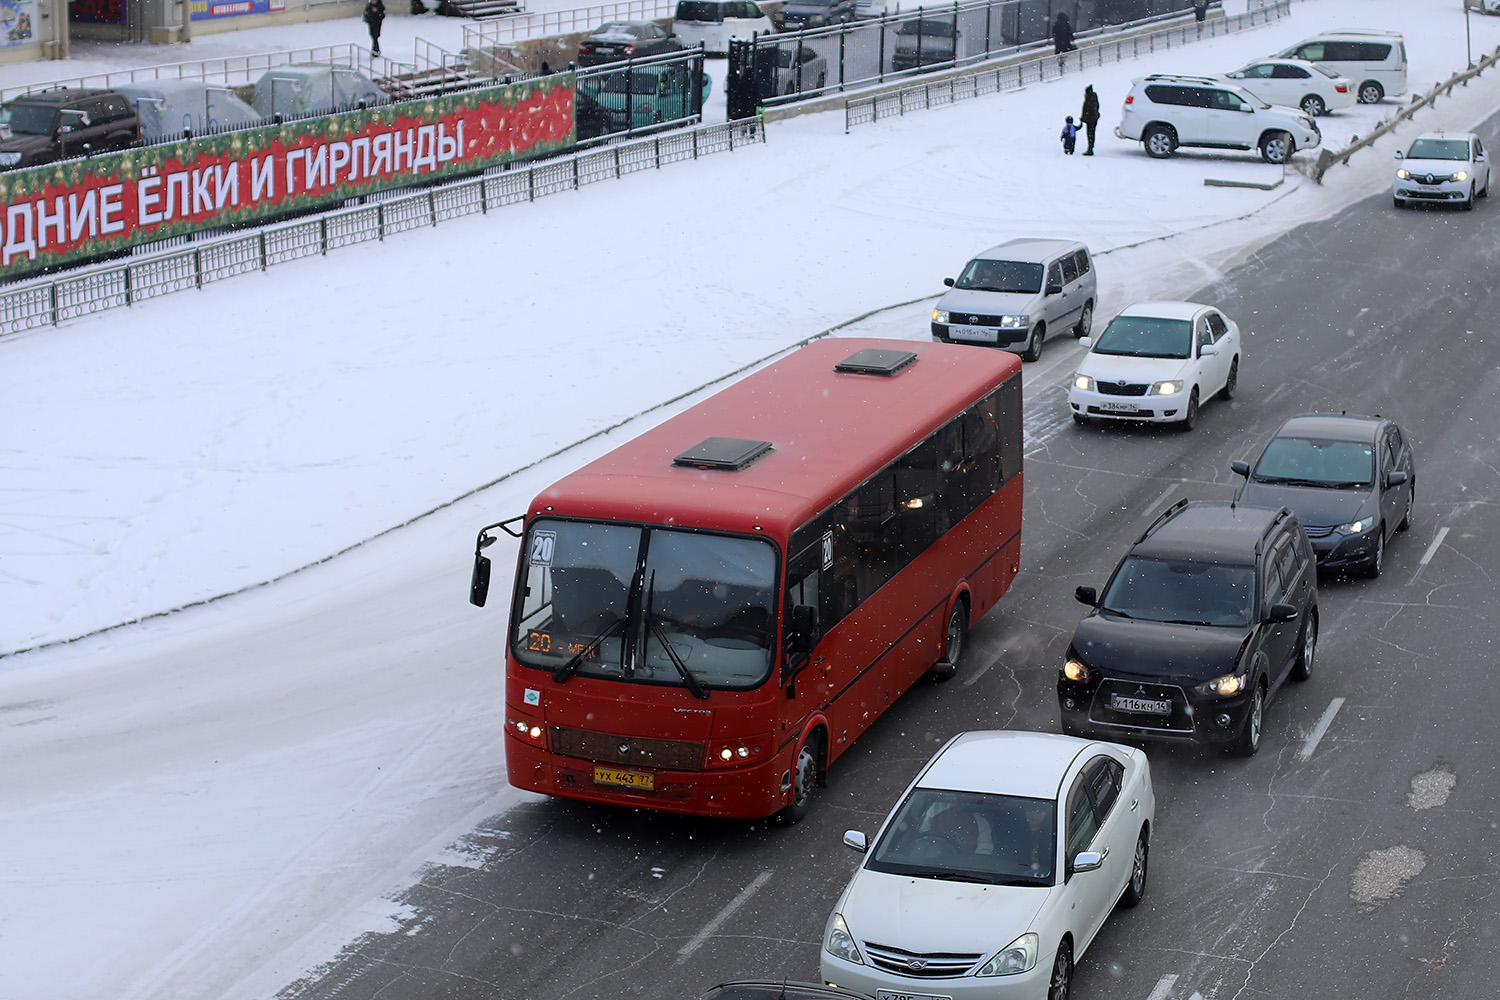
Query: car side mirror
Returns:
{"type": "Point", "coordinates": [1247, 109]}
{"type": "Point", "coordinates": [1087, 595]}
{"type": "Point", "coordinates": [1282, 613]}
{"type": "Point", "coordinates": [855, 839]}
{"type": "Point", "coordinates": [1240, 468]}
{"type": "Point", "coordinates": [1085, 342]}
{"type": "Point", "coordinates": [1236, 75]}
{"type": "Point", "coordinates": [804, 628]}
{"type": "Point", "coordinates": [1054, 289]}
{"type": "Point", "coordinates": [1208, 350]}
{"type": "Point", "coordinates": [1086, 861]}
{"type": "Point", "coordinates": [948, 282]}
{"type": "Point", "coordinates": [1400, 155]}
{"type": "Point", "coordinates": [1394, 479]}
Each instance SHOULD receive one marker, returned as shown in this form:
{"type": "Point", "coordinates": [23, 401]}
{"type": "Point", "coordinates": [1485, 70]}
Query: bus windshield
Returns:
{"type": "Point", "coordinates": [646, 604]}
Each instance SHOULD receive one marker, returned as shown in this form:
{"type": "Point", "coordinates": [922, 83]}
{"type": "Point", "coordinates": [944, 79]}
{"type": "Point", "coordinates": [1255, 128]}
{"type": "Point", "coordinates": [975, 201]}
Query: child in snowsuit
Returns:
{"type": "Point", "coordinates": [1069, 135]}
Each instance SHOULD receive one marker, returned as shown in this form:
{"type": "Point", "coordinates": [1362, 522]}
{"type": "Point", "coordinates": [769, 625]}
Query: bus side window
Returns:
{"type": "Point", "coordinates": [1007, 403]}
{"type": "Point", "coordinates": [982, 451]}
{"type": "Point", "coordinates": [952, 492]}
{"type": "Point", "coordinates": [917, 488]}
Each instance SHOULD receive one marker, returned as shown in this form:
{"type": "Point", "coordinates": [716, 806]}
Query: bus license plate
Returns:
{"type": "Point", "coordinates": [890, 995]}
{"type": "Point", "coordinates": [1119, 407]}
{"type": "Point", "coordinates": [982, 334]}
{"type": "Point", "coordinates": [1149, 706]}
{"type": "Point", "coordinates": [630, 779]}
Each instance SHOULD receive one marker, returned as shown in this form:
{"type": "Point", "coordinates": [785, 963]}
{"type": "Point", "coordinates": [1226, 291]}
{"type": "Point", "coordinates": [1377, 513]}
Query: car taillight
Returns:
{"type": "Point", "coordinates": [1341, 88]}
{"type": "Point", "coordinates": [1129, 98]}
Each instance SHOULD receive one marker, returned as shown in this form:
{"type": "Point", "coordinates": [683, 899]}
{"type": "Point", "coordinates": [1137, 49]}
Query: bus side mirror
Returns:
{"type": "Point", "coordinates": [479, 583]}
{"type": "Point", "coordinates": [804, 628]}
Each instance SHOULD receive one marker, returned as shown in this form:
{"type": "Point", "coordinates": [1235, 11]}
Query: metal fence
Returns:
{"type": "Point", "coordinates": [788, 66]}
{"type": "Point", "coordinates": [49, 302]}
{"type": "Point", "coordinates": [1014, 75]}
{"type": "Point", "coordinates": [562, 22]}
{"type": "Point", "coordinates": [230, 70]}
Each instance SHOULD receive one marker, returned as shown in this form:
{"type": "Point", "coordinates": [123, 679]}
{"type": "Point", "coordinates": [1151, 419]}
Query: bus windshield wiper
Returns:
{"type": "Point", "coordinates": [687, 676]}
{"type": "Point", "coordinates": [565, 671]}
{"type": "Point", "coordinates": [654, 627]}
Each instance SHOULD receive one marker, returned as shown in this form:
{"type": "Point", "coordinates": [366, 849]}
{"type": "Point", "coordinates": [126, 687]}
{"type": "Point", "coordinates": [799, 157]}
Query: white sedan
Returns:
{"type": "Point", "coordinates": [1156, 362]}
{"type": "Point", "coordinates": [1442, 167]}
{"type": "Point", "coordinates": [1296, 83]}
{"type": "Point", "coordinates": [996, 869]}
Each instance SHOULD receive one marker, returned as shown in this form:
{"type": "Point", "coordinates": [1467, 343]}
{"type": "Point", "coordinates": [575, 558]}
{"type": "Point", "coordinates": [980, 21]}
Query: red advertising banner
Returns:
{"type": "Point", "coordinates": [80, 209]}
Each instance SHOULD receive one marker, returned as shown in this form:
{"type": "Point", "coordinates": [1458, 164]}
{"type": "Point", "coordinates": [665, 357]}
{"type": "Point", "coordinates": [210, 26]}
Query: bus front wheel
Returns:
{"type": "Point", "coordinates": [804, 781]}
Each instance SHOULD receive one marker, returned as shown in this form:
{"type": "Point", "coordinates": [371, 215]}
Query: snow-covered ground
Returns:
{"type": "Point", "coordinates": [211, 802]}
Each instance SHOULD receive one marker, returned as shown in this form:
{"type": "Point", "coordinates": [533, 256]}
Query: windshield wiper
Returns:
{"type": "Point", "coordinates": [655, 628]}
{"type": "Point", "coordinates": [687, 676]}
{"type": "Point", "coordinates": [1116, 611]}
{"type": "Point", "coordinates": [1290, 481]}
{"type": "Point", "coordinates": [565, 671]}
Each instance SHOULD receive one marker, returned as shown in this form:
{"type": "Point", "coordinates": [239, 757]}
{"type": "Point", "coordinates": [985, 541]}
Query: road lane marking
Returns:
{"type": "Point", "coordinates": [1161, 501]}
{"type": "Point", "coordinates": [723, 915]}
{"type": "Point", "coordinates": [1163, 987]}
{"type": "Point", "coordinates": [1321, 728]}
{"type": "Point", "coordinates": [1432, 549]}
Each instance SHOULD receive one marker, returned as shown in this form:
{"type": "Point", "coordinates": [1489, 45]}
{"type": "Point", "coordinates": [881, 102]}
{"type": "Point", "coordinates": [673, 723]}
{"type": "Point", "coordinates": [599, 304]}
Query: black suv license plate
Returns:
{"type": "Point", "coordinates": [1141, 706]}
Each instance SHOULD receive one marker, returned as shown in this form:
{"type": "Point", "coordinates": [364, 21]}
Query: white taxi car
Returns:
{"type": "Point", "coordinates": [1442, 167]}
{"type": "Point", "coordinates": [995, 871]}
{"type": "Point", "coordinates": [1156, 362]}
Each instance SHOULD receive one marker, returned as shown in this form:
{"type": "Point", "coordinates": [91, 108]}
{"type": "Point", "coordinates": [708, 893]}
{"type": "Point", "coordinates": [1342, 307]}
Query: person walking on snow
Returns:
{"type": "Point", "coordinates": [374, 16]}
{"type": "Point", "coordinates": [1090, 116]}
{"type": "Point", "coordinates": [1069, 135]}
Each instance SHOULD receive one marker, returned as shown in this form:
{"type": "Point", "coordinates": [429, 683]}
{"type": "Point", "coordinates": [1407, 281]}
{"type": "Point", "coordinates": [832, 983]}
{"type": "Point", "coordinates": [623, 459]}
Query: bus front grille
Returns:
{"type": "Point", "coordinates": [639, 751]}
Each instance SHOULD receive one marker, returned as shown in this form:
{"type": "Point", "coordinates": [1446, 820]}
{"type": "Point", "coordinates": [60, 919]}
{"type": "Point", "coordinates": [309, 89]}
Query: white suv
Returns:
{"type": "Point", "coordinates": [1164, 112]}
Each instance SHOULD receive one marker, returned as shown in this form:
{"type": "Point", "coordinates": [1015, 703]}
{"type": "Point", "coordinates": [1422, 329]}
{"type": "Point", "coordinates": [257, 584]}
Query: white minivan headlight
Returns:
{"type": "Point", "coordinates": [1018, 956]}
{"type": "Point", "coordinates": [940, 316]}
{"type": "Point", "coordinates": [1084, 382]}
{"type": "Point", "coordinates": [838, 942]}
{"type": "Point", "coordinates": [1013, 322]}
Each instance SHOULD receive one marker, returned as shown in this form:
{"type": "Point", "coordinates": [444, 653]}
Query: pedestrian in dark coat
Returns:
{"type": "Point", "coordinates": [374, 17]}
{"type": "Point", "coordinates": [1090, 116]}
{"type": "Point", "coordinates": [1062, 34]}
{"type": "Point", "coordinates": [1200, 9]}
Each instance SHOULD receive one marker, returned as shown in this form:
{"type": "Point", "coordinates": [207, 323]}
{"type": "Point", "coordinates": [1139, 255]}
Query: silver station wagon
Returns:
{"type": "Point", "coordinates": [1013, 296]}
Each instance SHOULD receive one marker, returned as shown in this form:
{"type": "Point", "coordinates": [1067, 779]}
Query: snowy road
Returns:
{"type": "Point", "coordinates": [211, 803]}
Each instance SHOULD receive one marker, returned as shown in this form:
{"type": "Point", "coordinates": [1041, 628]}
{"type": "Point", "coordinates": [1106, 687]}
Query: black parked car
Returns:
{"type": "Point", "coordinates": [798, 14]}
{"type": "Point", "coordinates": [1213, 608]}
{"type": "Point", "coordinates": [1350, 479]}
{"type": "Point", "coordinates": [616, 40]}
{"type": "Point", "coordinates": [924, 41]}
{"type": "Point", "coordinates": [56, 124]}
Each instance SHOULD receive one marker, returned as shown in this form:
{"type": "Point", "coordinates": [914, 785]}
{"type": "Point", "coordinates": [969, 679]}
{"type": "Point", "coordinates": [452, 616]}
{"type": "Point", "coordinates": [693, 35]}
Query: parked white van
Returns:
{"type": "Point", "coordinates": [714, 22]}
{"type": "Point", "coordinates": [1374, 60]}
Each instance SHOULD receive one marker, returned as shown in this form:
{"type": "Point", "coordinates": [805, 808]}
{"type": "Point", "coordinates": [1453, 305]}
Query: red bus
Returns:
{"type": "Point", "coordinates": [705, 618]}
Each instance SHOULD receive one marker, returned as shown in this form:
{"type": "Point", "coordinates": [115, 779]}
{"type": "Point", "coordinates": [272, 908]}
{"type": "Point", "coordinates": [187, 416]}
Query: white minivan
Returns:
{"type": "Point", "coordinates": [713, 23]}
{"type": "Point", "coordinates": [1374, 60]}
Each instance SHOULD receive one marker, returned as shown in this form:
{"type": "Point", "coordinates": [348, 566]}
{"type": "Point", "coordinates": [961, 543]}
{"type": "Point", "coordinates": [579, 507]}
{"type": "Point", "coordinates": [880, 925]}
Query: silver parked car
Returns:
{"type": "Point", "coordinates": [1014, 295]}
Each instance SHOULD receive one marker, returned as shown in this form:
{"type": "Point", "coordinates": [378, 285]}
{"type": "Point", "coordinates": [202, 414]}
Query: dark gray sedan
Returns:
{"type": "Point", "coordinates": [1350, 479]}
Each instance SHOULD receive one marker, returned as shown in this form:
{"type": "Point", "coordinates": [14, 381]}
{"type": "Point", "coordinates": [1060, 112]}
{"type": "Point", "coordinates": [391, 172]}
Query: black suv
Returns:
{"type": "Point", "coordinates": [1208, 614]}
{"type": "Point", "coordinates": [56, 124]}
